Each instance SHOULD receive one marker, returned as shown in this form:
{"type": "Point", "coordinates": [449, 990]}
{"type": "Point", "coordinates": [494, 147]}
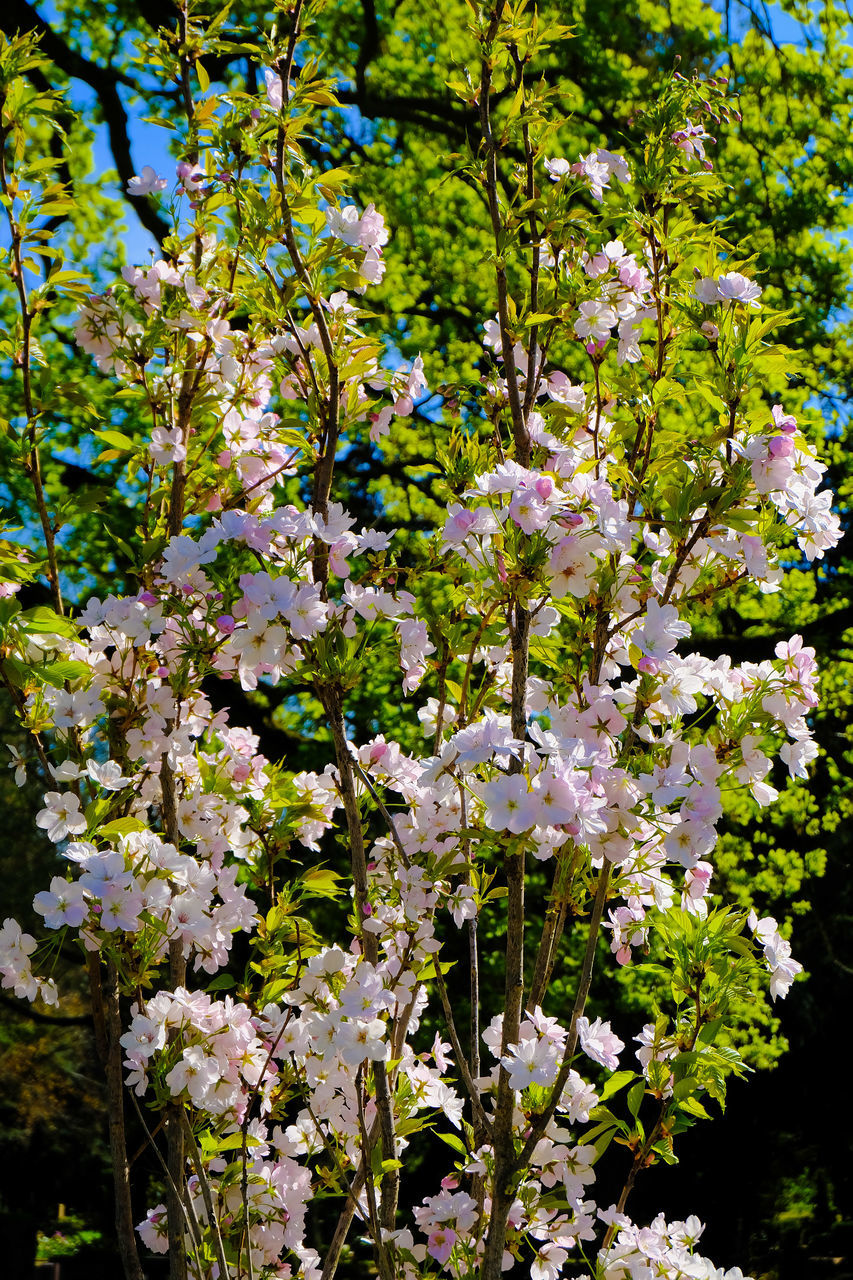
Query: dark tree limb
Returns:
{"type": "Point", "coordinates": [53, 1020]}
{"type": "Point", "coordinates": [108, 1029]}
{"type": "Point", "coordinates": [17, 16]}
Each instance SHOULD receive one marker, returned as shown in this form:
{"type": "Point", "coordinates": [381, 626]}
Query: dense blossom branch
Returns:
{"type": "Point", "coordinates": [537, 643]}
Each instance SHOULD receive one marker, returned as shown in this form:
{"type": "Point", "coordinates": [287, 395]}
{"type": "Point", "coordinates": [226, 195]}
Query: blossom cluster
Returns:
{"type": "Point", "coordinates": [580, 738]}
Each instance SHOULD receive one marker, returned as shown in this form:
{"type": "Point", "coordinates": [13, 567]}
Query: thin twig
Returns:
{"type": "Point", "coordinates": [204, 1183]}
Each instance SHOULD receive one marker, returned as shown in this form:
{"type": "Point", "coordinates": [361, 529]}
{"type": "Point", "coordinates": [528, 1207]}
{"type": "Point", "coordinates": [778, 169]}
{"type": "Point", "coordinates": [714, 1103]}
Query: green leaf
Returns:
{"type": "Point", "coordinates": [694, 1107]}
{"type": "Point", "coordinates": [233, 1142]}
{"type": "Point", "coordinates": [45, 621]}
{"type": "Point", "coordinates": [57, 673]}
{"type": "Point", "coordinates": [116, 439]}
{"type": "Point", "coordinates": [222, 982]}
{"type": "Point", "coordinates": [121, 827]}
{"type": "Point", "coordinates": [684, 1088]}
{"type": "Point", "coordinates": [616, 1082]}
{"type": "Point", "coordinates": [322, 882]}
{"type": "Point", "coordinates": [453, 1141]}
{"type": "Point", "coordinates": [635, 1097]}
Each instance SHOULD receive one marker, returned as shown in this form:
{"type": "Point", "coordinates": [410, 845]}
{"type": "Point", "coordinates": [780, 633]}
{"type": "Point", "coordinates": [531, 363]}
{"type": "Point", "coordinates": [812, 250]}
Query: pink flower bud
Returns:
{"type": "Point", "coordinates": [781, 447]}
{"type": "Point", "coordinates": [225, 624]}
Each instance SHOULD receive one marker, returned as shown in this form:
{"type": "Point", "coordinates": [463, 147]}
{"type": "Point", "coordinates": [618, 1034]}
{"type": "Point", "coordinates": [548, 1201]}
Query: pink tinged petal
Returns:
{"type": "Point", "coordinates": [440, 1244]}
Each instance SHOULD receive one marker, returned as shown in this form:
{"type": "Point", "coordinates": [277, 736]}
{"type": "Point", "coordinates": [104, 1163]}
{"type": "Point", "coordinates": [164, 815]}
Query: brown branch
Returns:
{"type": "Point", "coordinates": [519, 426]}
{"type": "Point", "coordinates": [22, 360]}
{"type": "Point", "coordinates": [20, 17]}
{"type": "Point", "coordinates": [105, 1001]}
{"type": "Point", "coordinates": [176, 1159]}
{"type": "Point", "coordinates": [505, 1167]}
{"type": "Point", "coordinates": [553, 925]}
{"type": "Point", "coordinates": [540, 1123]}
{"type": "Point", "coordinates": [204, 1183]}
{"type": "Point", "coordinates": [483, 1122]}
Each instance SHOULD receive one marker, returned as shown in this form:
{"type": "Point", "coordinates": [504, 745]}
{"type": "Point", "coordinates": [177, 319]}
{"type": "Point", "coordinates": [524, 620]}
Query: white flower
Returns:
{"type": "Point", "coordinates": [166, 446]}
{"type": "Point", "coordinates": [533, 1061]}
{"type": "Point", "coordinates": [358, 1039]}
{"type": "Point", "coordinates": [274, 88]}
{"type": "Point", "coordinates": [64, 904]}
{"type": "Point", "coordinates": [596, 320]}
{"type": "Point", "coordinates": [107, 775]}
{"type": "Point", "coordinates": [557, 168]}
{"type": "Point", "coordinates": [62, 816]}
{"type": "Point", "coordinates": [17, 763]}
{"type": "Point", "coordinates": [599, 1043]}
{"type": "Point", "coordinates": [146, 183]}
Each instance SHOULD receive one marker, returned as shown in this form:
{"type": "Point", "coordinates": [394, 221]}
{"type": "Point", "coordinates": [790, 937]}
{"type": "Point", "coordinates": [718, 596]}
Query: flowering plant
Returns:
{"type": "Point", "coordinates": [615, 469]}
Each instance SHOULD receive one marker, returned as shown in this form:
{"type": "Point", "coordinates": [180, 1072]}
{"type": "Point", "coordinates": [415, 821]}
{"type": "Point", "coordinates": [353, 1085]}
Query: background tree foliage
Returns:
{"type": "Point", "coordinates": [789, 166]}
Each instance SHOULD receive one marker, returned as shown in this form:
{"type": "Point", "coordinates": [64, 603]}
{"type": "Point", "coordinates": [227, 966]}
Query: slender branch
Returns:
{"type": "Point", "coordinates": [503, 1193]}
{"type": "Point", "coordinates": [473, 950]}
{"type": "Point", "coordinates": [174, 1124]}
{"type": "Point", "coordinates": [543, 1119]}
{"type": "Point", "coordinates": [643, 1157]}
{"type": "Point", "coordinates": [189, 380]}
{"type": "Point", "coordinates": [552, 928]}
{"type": "Point", "coordinates": [287, 67]}
{"type": "Point", "coordinates": [347, 1214]}
{"type": "Point", "coordinates": [204, 1183]}
{"type": "Point", "coordinates": [108, 1021]}
{"type": "Point", "coordinates": [244, 1197]}
{"type": "Point", "coordinates": [21, 704]}
{"type": "Point", "coordinates": [331, 698]}
{"type": "Point", "coordinates": [382, 1259]}
{"type": "Point", "coordinates": [520, 433]}
{"type": "Point", "coordinates": [23, 360]}
{"type": "Point", "coordinates": [443, 664]}
{"type": "Point", "coordinates": [326, 463]}
{"type": "Point", "coordinates": [533, 375]}
{"type": "Point", "coordinates": [19, 17]}
{"type": "Point", "coordinates": [468, 1080]}
{"type": "Point", "coordinates": [519, 627]}
{"type": "Point", "coordinates": [389, 820]}
{"type": "Point", "coordinates": [186, 1202]}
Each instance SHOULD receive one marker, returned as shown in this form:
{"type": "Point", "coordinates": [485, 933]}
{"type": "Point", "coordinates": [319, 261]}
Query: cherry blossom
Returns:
{"type": "Point", "coordinates": [62, 816]}
{"type": "Point", "coordinates": [147, 183]}
{"type": "Point", "coordinates": [565, 731]}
